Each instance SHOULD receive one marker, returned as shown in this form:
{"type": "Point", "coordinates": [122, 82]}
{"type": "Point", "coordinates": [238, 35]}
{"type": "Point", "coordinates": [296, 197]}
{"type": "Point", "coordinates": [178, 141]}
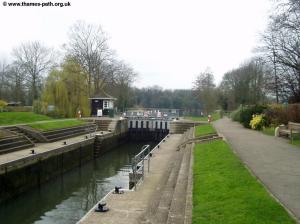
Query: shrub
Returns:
{"type": "Point", "coordinates": [55, 114]}
{"type": "Point", "coordinates": [40, 107]}
{"type": "Point", "coordinates": [278, 114]}
{"type": "Point", "coordinates": [248, 111]}
{"type": "Point", "coordinates": [236, 115]}
{"type": "Point", "coordinates": [258, 122]}
{"type": "Point", "coordinates": [2, 104]}
{"type": "Point", "coordinates": [293, 112]}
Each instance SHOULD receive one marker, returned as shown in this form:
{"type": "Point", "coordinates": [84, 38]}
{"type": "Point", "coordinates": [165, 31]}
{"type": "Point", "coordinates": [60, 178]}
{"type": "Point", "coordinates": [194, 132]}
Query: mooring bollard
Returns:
{"type": "Point", "coordinates": [101, 207]}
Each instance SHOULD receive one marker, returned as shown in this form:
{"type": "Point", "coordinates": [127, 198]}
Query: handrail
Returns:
{"type": "Point", "coordinates": [139, 159]}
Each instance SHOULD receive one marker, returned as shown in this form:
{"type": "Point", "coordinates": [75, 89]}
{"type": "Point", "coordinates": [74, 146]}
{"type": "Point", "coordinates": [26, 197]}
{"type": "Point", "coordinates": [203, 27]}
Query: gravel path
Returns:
{"type": "Point", "coordinates": [274, 161]}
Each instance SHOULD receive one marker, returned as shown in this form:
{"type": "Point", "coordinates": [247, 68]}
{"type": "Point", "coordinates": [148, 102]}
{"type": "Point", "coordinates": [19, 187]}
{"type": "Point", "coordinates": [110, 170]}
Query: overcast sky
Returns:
{"type": "Point", "coordinates": [168, 42]}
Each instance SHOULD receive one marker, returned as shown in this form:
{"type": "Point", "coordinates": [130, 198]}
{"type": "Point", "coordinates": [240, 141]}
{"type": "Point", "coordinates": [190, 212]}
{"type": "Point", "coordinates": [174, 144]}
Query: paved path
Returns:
{"type": "Point", "coordinates": [275, 162]}
{"type": "Point", "coordinates": [42, 148]}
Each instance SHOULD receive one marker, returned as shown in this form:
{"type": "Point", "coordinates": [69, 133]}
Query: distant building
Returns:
{"type": "Point", "coordinates": [102, 104]}
{"type": "Point", "coordinates": [14, 104]}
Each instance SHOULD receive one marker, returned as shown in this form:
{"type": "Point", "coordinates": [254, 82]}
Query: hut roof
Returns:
{"type": "Point", "coordinates": [103, 96]}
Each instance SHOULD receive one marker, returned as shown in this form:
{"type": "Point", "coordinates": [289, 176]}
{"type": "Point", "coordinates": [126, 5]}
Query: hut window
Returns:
{"type": "Point", "coordinates": [105, 104]}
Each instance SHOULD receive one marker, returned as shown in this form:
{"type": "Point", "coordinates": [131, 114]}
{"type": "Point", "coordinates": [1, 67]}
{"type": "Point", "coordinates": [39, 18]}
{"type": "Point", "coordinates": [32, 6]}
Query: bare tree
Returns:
{"type": "Point", "coordinates": [244, 85]}
{"type": "Point", "coordinates": [3, 79]}
{"type": "Point", "coordinates": [281, 49]}
{"type": "Point", "coordinates": [205, 90]}
{"type": "Point", "coordinates": [34, 61]}
{"type": "Point", "coordinates": [88, 45]}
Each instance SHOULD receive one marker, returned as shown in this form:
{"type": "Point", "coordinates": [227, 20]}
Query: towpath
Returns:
{"type": "Point", "coordinates": [274, 161]}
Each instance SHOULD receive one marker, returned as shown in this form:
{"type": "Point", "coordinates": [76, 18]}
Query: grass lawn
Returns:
{"type": "Point", "coordinates": [10, 118]}
{"type": "Point", "coordinates": [296, 140]}
{"type": "Point", "coordinates": [51, 125]}
{"type": "Point", "coordinates": [215, 116]}
{"type": "Point", "coordinates": [269, 131]}
{"type": "Point", "coordinates": [225, 192]}
{"type": "Point", "coordinates": [204, 130]}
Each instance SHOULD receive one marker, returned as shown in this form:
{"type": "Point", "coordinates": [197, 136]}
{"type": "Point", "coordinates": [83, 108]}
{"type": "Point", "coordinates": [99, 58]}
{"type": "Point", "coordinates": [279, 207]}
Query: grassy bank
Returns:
{"type": "Point", "coordinates": [52, 125]}
{"type": "Point", "coordinates": [215, 116]}
{"type": "Point", "coordinates": [269, 131]}
{"type": "Point", "coordinates": [225, 192]}
{"type": "Point", "coordinates": [10, 118]}
{"type": "Point", "coordinates": [204, 130]}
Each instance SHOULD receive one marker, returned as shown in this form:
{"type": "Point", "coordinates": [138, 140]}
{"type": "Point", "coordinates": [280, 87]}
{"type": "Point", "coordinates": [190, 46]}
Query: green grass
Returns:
{"type": "Point", "coordinates": [296, 140]}
{"type": "Point", "coordinates": [225, 192]}
{"type": "Point", "coordinates": [204, 130]}
{"type": "Point", "coordinates": [269, 131]}
{"type": "Point", "coordinates": [215, 116]}
{"type": "Point", "coordinates": [52, 125]}
{"type": "Point", "coordinates": [10, 118]}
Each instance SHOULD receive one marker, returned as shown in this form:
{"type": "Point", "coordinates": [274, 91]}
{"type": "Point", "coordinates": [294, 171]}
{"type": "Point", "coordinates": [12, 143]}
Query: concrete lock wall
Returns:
{"type": "Point", "coordinates": [27, 174]}
{"type": "Point", "coordinates": [22, 179]}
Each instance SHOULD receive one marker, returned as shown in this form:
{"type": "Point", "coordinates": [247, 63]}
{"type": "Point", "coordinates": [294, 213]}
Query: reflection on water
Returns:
{"type": "Point", "coordinates": [66, 199]}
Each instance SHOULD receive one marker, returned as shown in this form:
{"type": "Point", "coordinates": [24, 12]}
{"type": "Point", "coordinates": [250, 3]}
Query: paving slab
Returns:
{"type": "Point", "coordinates": [43, 147]}
{"type": "Point", "coordinates": [273, 160]}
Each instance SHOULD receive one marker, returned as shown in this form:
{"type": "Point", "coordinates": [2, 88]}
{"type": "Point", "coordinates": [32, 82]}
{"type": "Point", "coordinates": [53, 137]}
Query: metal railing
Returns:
{"type": "Point", "coordinates": [138, 164]}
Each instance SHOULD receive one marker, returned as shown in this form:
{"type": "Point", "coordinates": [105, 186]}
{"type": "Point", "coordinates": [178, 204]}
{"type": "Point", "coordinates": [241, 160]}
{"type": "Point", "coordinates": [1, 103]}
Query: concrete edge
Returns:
{"type": "Point", "coordinates": [189, 194]}
{"type": "Point", "coordinates": [95, 206]}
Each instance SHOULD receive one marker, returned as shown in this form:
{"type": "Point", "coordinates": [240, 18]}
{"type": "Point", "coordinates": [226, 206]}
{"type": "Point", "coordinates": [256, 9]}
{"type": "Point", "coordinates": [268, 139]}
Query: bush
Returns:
{"type": "Point", "coordinates": [236, 115]}
{"type": "Point", "coordinates": [40, 107]}
{"type": "Point", "coordinates": [248, 111]}
{"type": "Point", "coordinates": [258, 122]}
{"type": "Point", "coordinates": [278, 114]}
{"type": "Point", "coordinates": [2, 104]}
{"type": "Point", "coordinates": [55, 114]}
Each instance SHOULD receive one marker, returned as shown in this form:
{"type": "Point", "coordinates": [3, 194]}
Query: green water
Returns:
{"type": "Point", "coordinates": [66, 199]}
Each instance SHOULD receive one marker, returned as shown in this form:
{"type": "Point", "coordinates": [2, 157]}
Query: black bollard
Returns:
{"type": "Point", "coordinates": [117, 190]}
{"type": "Point", "coordinates": [101, 207]}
